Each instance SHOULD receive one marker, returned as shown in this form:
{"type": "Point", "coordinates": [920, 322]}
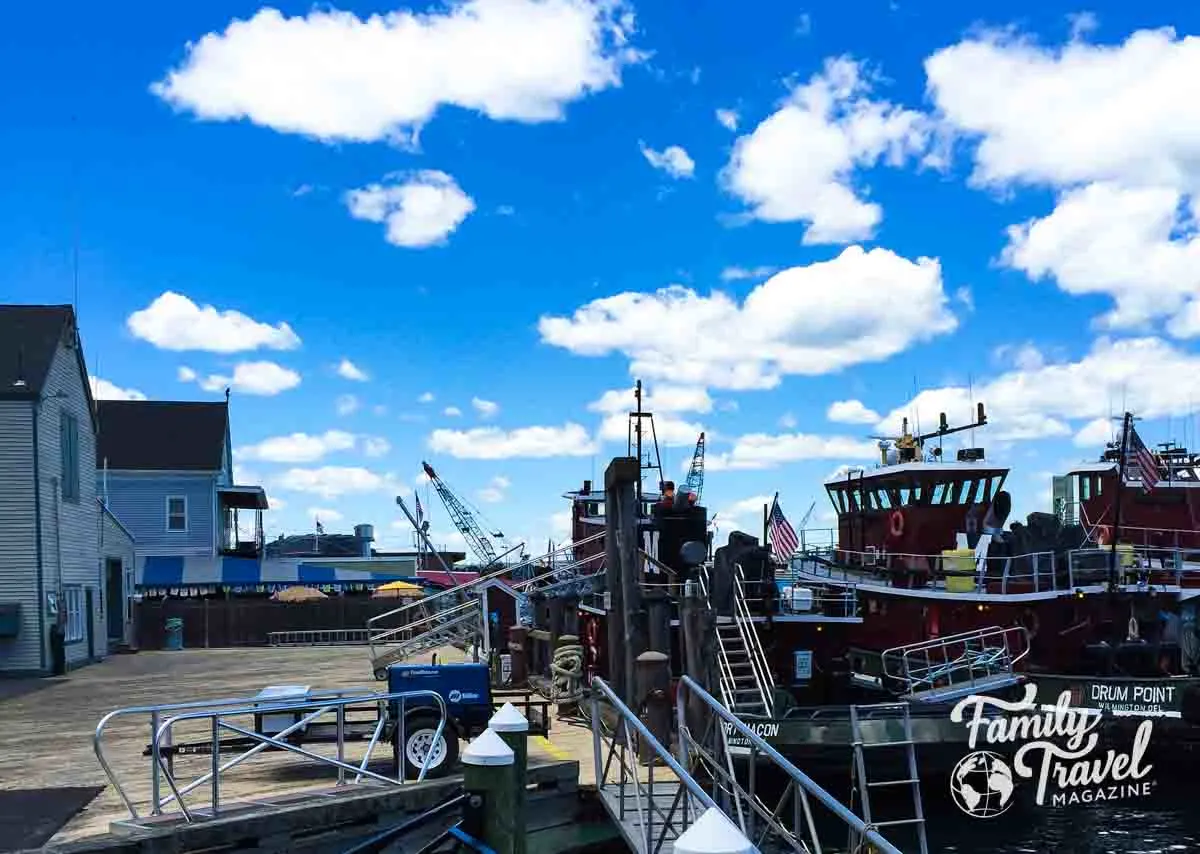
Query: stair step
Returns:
{"type": "Point", "coordinates": [865, 745]}
{"type": "Point", "coordinates": [899, 821]}
{"type": "Point", "coordinates": [894, 782]}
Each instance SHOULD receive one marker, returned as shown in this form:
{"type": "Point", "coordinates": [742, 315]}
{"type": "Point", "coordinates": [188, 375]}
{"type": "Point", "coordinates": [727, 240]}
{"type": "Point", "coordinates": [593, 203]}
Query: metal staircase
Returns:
{"type": "Point", "coordinates": [745, 681]}
{"type": "Point", "coordinates": [889, 726]}
{"type": "Point", "coordinates": [457, 617]}
{"type": "Point", "coordinates": [946, 668]}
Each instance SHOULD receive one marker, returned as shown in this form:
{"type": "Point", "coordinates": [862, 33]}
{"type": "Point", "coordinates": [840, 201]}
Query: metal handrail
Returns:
{"type": "Point", "coordinates": [321, 707]}
{"type": "Point", "coordinates": [802, 783]}
{"type": "Point", "coordinates": [763, 679]}
{"type": "Point", "coordinates": [443, 615]}
{"type": "Point", "coordinates": [504, 570]}
{"type": "Point", "coordinates": [155, 713]}
{"type": "Point", "coordinates": [646, 807]}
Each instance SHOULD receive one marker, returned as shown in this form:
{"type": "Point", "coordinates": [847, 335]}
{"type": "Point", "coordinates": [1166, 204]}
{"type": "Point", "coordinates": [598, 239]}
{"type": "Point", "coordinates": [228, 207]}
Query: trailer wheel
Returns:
{"type": "Point", "coordinates": [381, 674]}
{"type": "Point", "coordinates": [418, 738]}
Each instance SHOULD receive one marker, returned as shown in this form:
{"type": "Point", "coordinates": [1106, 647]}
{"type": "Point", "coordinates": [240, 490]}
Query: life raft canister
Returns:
{"type": "Point", "coordinates": [896, 523]}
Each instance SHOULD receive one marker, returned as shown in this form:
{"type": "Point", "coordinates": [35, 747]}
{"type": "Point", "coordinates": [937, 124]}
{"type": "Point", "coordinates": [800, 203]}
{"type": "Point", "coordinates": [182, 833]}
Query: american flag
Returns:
{"type": "Point", "coordinates": [420, 512]}
{"type": "Point", "coordinates": [1142, 460]}
{"type": "Point", "coordinates": [320, 527]}
{"type": "Point", "coordinates": [781, 533]}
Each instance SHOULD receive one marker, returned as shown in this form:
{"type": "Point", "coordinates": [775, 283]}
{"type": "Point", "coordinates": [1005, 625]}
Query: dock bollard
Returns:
{"type": "Point", "coordinates": [487, 772]}
{"type": "Point", "coordinates": [513, 729]}
{"type": "Point", "coordinates": [654, 695]}
{"type": "Point", "coordinates": [713, 833]}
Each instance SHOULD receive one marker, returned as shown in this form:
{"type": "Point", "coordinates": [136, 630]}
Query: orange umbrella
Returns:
{"type": "Point", "coordinates": [298, 594]}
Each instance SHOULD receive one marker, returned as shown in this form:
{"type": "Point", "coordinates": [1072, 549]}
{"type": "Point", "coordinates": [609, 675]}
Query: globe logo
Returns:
{"type": "Point", "coordinates": [982, 784]}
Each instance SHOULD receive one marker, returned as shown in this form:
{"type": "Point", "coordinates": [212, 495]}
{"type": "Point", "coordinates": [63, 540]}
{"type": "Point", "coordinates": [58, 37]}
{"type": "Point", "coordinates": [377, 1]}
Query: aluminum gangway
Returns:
{"type": "Point", "coordinates": [947, 668]}
{"type": "Point", "coordinates": [457, 616]}
{"type": "Point", "coordinates": [654, 795]}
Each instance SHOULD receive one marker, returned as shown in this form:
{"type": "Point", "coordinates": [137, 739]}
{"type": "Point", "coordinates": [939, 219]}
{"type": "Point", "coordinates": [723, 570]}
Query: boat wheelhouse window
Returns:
{"type": "Point", "coordinates": [1085, 487]}
{"type": "Point", "coordinates": [981, 490]}
{"type": "Point", "coordinates": [905, 494]}
{"type": "Point", "coordinates": [939, 493]}
{"type": "Point", "coordinates": [883, 498]}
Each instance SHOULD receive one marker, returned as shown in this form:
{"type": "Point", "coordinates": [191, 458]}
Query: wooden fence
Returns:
{"type": "Point", "coordinates": [249, 622]}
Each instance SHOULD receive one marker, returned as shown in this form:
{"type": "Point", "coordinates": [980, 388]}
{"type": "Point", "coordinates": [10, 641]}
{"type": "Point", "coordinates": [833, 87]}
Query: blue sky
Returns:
{"type": "Point", "coordinates": [778, 206]}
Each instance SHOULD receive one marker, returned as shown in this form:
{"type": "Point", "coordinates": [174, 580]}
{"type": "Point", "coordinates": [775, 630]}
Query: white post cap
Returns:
{"type": "Point", "coordinates": [488, 749]}
{"type": "Point", "coordinates": [508, 719]}
{"type": "Point", "coordinates": [713, 833]}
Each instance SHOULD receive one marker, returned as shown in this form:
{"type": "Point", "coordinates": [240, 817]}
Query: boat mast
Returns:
{"type": "Point", "coordinates": [1116, 531]}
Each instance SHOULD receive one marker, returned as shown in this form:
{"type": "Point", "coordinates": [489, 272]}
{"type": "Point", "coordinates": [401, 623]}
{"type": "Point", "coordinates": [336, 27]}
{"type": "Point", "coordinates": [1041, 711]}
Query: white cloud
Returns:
{"type": "Point", "coordinates": [104, 390]}
{"type": "Point", "coordinates": [1155, 379]}
{"type": "Point", "coordinates": [376, 446]}
{"type": "Point", "coordinates": [799, 163]}
{"type": "Point", "coordinates": [744, 515]}
{"type": "Point", "coordinates": [325, 514]}
{"type": "Point", "coordinates": [335, 481]}
{"type": "Point", "coordinates": [495, 491]}
{"type": "Point", "coordinates": [297, 447]}
{"type": "Point", "coordinates": [560, 524]}
{"type": "Point", "coordinates": [452, 411]}
{"type": "Point", "coordinates": [258, 378]}
{"type": "Point", "coordinates": [186, 374]}
{"type": "Point", "coordinates": [276, 503]}
{"type": "Point", "coordinates": [421, 209]}
{"type": "Point", "coordinates": [851, 412]}
{"type": "Point", "coordinates": [1115, 130]}
{"type": "Point", "coordinates": [788, 421]}
{"type": "Point", "coordinates": [427, 397]}
{"type": "Point", "coordinates": [673, 160]}
{"type": "Point", "coordinates": [728, 119]}
{"type": "Point", "coordinates": [671, 432]}
{"type": "Point", "coordinates": [736, 274]}
{"type": "Point", "coordinates": [492, 443]}
{"type": "Point", "coordinates": [174, 322]}
{"type": "Point", "coordinates": [764, 451]}
{"type": "Point", "coordinates": [657, 398]}
{"type": "Point", "coordinates": [334, 76]}
{"type": "Point", "coordinates": [1096, 433]}
{"type": "Point", "coordinates": [1137, 245]}
{"type": "Point", "coordinates": [348, 370]}
{"type": "Point", "coordinates": [486, 408]}
{"type": "Point", "coordinates": [346, 404]}
{"type": "Point", "coordinates": [804, 320]}
{"type": "Point", "coordinates": [1077, 113]}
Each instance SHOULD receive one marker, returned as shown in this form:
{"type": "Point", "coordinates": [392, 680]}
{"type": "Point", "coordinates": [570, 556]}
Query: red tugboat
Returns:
{"type": "Point", "coordinates": [951, 603]}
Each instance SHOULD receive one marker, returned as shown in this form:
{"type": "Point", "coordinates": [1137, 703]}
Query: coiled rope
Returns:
{"type": "Point", "coordinates": [567, 670]}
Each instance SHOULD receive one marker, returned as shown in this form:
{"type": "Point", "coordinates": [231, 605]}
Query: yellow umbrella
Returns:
{"type": "Point", "coordinates": [398, 590]}
{"type": "Point", "coordinates": [298, 594]}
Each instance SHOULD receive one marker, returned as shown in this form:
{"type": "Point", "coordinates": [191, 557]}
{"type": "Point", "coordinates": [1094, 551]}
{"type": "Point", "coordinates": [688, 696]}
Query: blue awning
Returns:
{"type": "Point", "coordinates": [162, 571]}
{"type": "Point", "coordinates": [176, 571]}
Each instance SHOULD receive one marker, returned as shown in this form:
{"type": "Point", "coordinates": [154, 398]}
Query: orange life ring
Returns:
{"type": "Point", "coordinates": [896, 524]}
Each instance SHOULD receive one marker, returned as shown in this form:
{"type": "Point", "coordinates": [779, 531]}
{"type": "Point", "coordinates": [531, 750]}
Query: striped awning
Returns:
{"type": "Point", "coordinates": [157, 571]}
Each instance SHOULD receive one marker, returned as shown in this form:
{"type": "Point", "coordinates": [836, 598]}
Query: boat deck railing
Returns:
{"type": "Point", "coordinates": [956, 664]}
{"type": "Point", "coordinates": [1032, 572]}
{"type": "Point", "coordinates": [223, 724]}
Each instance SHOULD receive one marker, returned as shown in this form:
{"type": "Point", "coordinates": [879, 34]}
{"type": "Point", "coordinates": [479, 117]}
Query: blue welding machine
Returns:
{"type": "Point", "coordinates": [467, 691]}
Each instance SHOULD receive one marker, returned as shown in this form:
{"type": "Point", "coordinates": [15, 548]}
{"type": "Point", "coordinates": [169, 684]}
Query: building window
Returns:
{"type": "Point", "coordinates": [68, 428]}
{"type": "Point", "coordinates": [177, 513]}
{"type": "Point", "coordinates": [73, 600]}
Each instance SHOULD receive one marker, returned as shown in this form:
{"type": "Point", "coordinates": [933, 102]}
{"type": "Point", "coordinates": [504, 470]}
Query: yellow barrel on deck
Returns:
{"type": "Point", "coordinates": [1125, 556]}
{"type": "Point", "coordinates": [959, 568]}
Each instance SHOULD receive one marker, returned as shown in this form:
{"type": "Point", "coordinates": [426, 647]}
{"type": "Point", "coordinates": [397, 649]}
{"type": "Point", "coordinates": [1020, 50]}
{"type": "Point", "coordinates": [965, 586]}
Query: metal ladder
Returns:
{"type": "Point", "coordinates": [861, 785]}
{"type": "Point", "coordinates": [746, 684]}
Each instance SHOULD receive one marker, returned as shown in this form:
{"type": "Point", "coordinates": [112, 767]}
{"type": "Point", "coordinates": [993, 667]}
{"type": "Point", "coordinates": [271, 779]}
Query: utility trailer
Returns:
{"type": "Point", "coordinates": [409, 725]}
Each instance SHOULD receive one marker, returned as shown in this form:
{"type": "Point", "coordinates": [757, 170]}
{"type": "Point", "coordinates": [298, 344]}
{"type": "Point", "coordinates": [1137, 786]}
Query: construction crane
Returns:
{"type": "Point", "coordinates": [695, 478]}
{"type": "Point", "coordinates": [464, 520]}
{"type": "Point", "coordinates": [804, 522]}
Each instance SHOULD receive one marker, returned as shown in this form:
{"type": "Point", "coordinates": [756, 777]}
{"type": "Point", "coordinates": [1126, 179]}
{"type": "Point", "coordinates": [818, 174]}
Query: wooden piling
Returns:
{"type": "Point", "coordinates": [654, 692]}
{"type": "Point", "coordinates": [487, 772]}
{"type": "Point", "coordinates": [513, 729]}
